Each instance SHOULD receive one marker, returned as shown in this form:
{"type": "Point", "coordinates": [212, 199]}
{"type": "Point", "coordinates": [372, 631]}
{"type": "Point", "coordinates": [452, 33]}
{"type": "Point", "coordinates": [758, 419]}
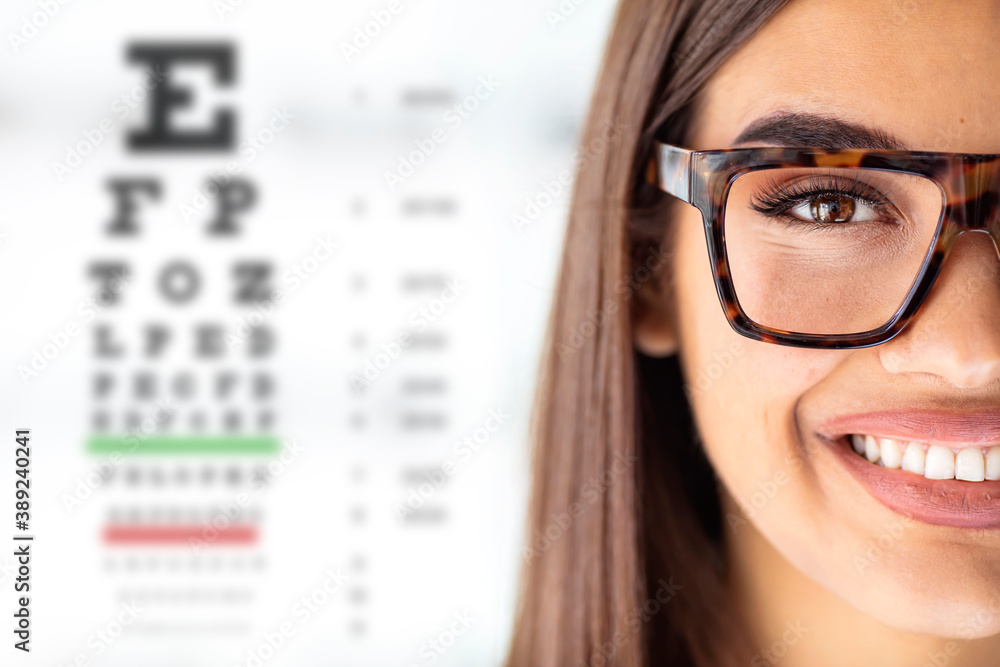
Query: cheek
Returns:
{"type": "Point", "coordinates": [743, 392]}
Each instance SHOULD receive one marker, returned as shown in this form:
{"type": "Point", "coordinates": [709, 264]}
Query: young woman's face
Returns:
{"type": "Point", "coordinates": [916, 553]}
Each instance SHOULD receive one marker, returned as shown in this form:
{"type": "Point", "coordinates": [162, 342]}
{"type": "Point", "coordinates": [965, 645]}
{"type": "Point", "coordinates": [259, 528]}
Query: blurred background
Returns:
{"type": "Point", "coordinates": [277, 276]}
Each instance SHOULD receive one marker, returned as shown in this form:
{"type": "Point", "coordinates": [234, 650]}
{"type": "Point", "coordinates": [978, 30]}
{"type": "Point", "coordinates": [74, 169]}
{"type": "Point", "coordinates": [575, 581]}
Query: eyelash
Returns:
{"type": "Point", "coordinates": [776, 199]}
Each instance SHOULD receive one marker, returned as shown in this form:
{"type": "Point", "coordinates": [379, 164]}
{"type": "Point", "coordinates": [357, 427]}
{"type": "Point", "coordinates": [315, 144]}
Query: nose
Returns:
{"type": "Point", "coordinates": [956, 333]}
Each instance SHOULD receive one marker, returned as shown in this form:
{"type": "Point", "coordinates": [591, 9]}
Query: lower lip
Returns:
{"type": "Point", "coordinates": [942, 502]}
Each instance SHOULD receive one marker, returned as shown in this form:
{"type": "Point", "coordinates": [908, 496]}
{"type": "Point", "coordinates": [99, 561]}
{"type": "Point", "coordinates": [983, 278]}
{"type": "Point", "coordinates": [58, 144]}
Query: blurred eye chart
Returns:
{"type": "Point", "coordinates": [276, 278]}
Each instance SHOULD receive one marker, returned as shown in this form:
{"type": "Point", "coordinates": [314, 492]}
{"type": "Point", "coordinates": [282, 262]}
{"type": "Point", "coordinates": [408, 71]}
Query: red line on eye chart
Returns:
{"type": "Point", "coordinates": [180, 535]}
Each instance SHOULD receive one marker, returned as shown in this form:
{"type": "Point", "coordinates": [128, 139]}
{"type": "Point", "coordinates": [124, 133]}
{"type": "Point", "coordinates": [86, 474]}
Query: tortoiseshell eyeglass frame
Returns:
{"type": "Point", "coordinates": [968, 184]}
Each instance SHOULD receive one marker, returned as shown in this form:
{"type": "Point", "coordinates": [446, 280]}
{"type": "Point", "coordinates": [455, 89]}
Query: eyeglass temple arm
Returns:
{"type": "Point", "coordinates": [673, 171]}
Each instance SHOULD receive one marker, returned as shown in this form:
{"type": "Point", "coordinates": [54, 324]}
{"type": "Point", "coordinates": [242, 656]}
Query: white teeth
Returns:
{"type": "Point", "coordinates": [940, 463]}
{"type": "Point", "coordinates": [913, 458]}
{"type": "Point", "coordinates": [872, 451]}
{"type": "Point", "coordinates": [993, 463]}
{"type": "Point", "coordinates": [892, 455]}
{"type": "Point", "coordinates": [970, 465]}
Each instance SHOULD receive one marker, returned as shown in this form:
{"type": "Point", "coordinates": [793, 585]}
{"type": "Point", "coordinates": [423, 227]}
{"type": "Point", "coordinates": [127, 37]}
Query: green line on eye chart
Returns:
{"type": "Point", "coordinates": [183, 445]}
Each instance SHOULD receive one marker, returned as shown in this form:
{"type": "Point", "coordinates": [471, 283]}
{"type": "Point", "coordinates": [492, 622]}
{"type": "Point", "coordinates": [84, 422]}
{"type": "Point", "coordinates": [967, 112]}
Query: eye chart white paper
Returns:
{"type": "Point", "coordinates": [276, 277]}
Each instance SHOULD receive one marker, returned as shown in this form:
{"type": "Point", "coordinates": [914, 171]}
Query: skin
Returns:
{"type": "Point", "coordinates": [926, 72]}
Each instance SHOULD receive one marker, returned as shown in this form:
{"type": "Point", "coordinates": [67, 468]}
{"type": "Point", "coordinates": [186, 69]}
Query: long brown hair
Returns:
{"type": "Point", "coordinates": [622, 564]}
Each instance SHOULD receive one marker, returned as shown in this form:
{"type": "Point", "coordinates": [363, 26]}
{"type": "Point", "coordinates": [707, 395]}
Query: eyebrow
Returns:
{"type": "Point", "coordinates": [808, 130]}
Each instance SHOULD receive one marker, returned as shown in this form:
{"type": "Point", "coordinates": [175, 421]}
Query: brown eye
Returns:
{"type": "Point", "coordinates": [832, 208]}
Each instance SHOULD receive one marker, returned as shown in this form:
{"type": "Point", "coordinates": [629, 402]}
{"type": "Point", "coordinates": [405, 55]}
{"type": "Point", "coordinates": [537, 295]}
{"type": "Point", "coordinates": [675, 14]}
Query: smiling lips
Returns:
{"type": "Point", "coordinates": [942, 468]}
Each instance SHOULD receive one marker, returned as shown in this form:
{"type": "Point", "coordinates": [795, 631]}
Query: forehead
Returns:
{"type": "Point", "coordinates": [925, 71]}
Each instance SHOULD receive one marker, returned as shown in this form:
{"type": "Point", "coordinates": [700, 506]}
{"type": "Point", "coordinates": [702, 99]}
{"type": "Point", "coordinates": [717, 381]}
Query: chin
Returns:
{"type": "Point", "coordinates": [962, 606]}
{"type": "Point", "coordinates": [914, 577]}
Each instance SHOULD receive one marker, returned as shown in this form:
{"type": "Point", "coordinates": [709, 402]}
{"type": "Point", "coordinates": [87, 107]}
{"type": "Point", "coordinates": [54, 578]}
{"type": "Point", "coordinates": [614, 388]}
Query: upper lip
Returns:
{"type": "Point", "coordinates": [953, 429]}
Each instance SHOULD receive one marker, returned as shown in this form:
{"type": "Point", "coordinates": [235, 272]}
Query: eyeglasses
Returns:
{"type": "Point", "coordinates": [834, 250]}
